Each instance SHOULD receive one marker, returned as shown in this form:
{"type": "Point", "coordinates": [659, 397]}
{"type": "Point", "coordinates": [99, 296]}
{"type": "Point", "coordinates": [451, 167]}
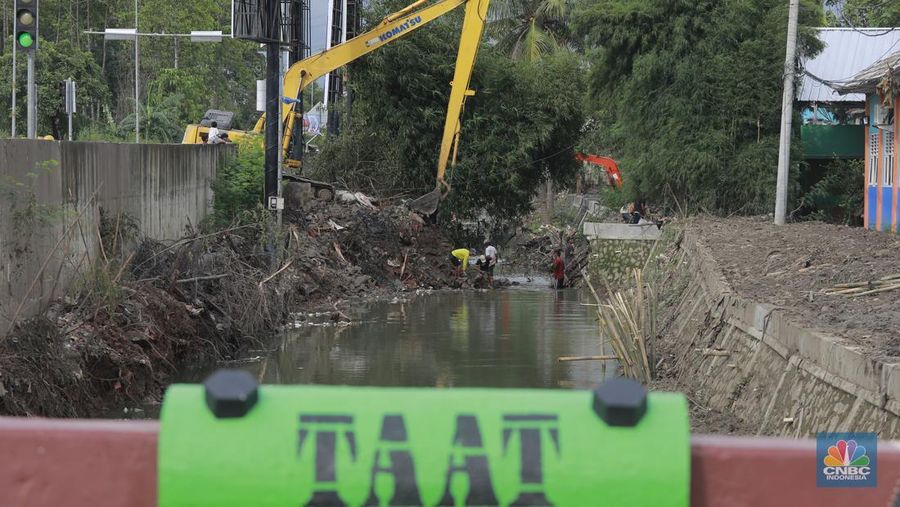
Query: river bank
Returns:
{"type": "Point", "coordinates": [146, 308]}
{"type": "Point", "coordinates": [750, 329]}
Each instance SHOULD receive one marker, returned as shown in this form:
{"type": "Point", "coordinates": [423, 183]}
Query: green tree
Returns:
{"type": "Point", "coordinates": [239, 184]}
{"type": "Point", "coordinates": [688, 95]}
{"type": "Point", "coordinates": [520, 127]}
{"type": "Point", "coordinates": [864, 13]}
{"type": "Point", "coordinates": [529, 29]}
{"type": "Point", "coordinates": [55, 62]}
{"type": "Point", "coordinates": [208, 75]}
{"type": "Point", "coordinates": [159, 119]}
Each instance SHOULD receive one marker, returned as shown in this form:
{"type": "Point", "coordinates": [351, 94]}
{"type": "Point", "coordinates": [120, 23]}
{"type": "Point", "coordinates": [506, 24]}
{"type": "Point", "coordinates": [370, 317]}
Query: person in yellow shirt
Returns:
{"type": "Point", "coordinates": [459, 258]}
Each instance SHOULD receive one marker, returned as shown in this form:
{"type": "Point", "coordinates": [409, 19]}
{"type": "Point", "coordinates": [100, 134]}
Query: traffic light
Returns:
{"type": "Point", "coordinates": [26, 25]}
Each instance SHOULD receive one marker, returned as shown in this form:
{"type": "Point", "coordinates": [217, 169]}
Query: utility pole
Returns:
{"type": "Point", "coordinates": [787, 115]}
{"type": "Point", "coordinates": [273, 104]}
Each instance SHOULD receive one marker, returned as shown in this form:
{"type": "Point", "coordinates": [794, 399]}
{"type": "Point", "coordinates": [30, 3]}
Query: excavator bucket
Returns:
{"type": "Point", "coordinates": [428, 203]}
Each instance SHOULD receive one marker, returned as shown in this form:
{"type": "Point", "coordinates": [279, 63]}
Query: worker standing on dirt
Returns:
{"type": "Point", "coordinates": [559, 269]}
{"type": "Point", "coordinates": [459, 258]}
{"type": "Point", "coordinates": [490, 256]}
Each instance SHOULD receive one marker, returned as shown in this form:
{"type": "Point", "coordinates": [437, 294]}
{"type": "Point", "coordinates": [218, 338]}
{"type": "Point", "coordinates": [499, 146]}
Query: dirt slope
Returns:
{"type": "Point", "coordinates": [793, 265]}
{"type": "Point", "coordinates": [136, 317]}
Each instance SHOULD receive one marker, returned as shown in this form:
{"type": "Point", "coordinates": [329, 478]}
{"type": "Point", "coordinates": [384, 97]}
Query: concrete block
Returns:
{"type": "Point", "coordinates": [839, 359]}
{"type": "Point", "coordinates": [891, 382]}
{"type": "Point", "coordinates": [596, 230]}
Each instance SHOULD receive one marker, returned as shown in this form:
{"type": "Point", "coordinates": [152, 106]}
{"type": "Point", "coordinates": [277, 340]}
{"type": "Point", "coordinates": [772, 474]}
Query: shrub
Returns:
{"type": "Point", "coordinates": [837, 196]}
{"type": "Point", "coordinates": [240, 182]}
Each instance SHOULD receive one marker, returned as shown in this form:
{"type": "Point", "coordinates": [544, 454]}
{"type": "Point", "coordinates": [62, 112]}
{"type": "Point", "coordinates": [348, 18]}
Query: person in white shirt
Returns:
{"type": "Point", "coordinates": [490, 254]}
{"type": "Point", "coordinates": [213, 136]}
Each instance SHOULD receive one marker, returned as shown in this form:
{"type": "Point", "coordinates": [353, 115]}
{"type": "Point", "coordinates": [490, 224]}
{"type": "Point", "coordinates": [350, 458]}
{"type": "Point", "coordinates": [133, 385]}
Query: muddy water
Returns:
{"type": "Point", "coordinates": [501, 338]}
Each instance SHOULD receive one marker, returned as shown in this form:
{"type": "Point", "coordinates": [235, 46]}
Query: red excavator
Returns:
{"type": "Point", "coordinates": [608, 165]}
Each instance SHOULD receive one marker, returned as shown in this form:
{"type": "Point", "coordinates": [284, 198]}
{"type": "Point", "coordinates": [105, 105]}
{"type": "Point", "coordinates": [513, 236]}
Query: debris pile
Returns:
{"type": "Point", "coordinates": [138, 316]}
{"type": "Point", "coordinates": [362, 248]}
{"type": "Point", "coordinates": [533, 252]}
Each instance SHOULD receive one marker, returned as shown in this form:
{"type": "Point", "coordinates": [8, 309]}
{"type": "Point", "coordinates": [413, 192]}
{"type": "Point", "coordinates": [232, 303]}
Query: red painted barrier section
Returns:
{"type": "Point", "coordinates": [769, 472]}
{"type": "Point", "coordinates": [70, 463]}
{"type": "Point", "coordinates": [56, 462]}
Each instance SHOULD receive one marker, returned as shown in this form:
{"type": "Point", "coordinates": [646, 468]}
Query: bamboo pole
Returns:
{"type": "Point", "coordinates": [566, 359]}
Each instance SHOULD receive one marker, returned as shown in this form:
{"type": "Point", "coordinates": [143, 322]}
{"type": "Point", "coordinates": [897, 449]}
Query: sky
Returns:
{"type": "Point", "coordinates": [318, 14]}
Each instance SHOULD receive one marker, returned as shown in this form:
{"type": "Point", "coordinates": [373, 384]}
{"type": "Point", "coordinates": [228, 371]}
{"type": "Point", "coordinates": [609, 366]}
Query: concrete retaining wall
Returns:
{"type": "Point", "coordinates": [51, 193]}
{"type": "Point", "coordinates": [617, 249]}
{"type": "Point", "coordinates": [616, 259]}
{"type": "Point", "coordinates": [784, 379]}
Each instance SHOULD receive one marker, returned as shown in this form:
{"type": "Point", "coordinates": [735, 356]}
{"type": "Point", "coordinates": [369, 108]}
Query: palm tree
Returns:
{"type": "Point", "coordinates": [159, 118]}
{"type": "Point", "coordinates": [529, 29]}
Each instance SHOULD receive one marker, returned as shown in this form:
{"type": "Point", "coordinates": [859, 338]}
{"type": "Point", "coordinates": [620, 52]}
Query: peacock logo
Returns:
{"type": "Point", "coordinates": [846, 453]}
{"type": "Point", "coordinates": [847, 460]}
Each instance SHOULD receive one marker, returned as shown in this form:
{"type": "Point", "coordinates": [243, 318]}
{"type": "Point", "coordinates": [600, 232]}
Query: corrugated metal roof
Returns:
{"type": "Point", "coordinates": [847, 52]}
{"type": "Point", "coordinates": [871, 75]}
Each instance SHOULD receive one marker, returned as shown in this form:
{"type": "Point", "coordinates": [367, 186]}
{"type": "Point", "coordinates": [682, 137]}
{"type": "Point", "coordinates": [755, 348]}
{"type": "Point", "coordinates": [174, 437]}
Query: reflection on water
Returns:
{"type": "Point", "coordinates": [501, 338]}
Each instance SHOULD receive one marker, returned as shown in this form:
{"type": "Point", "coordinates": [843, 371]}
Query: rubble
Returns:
{"type": "Point", "coordinates": [126, 329]}
{"type": "Point", "coordinates": [532, 252]}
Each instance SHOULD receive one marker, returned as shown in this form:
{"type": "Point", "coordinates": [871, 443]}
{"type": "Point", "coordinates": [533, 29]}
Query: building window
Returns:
{"type": "Point", "coordinates": [873, 159]}
{"type": "Point", "coordinates": [887, 164]}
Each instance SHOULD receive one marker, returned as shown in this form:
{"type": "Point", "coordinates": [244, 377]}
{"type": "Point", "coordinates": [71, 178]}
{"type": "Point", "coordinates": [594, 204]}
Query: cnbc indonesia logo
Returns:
{"type": "Point", "coordinates": [847, 461]}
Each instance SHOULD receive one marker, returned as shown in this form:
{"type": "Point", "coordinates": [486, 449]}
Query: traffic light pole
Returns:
{"type": "Point", "coordinates": [13, 129]}
{"type": "Point", "coordinates": [26, 38]}
{"type": "Point", "coordinates": [32, 99]}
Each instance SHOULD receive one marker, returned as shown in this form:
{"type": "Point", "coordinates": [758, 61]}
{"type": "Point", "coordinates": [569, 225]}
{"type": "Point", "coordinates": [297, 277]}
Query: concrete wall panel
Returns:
{"type": "Point", "coordinates": [46, 185]}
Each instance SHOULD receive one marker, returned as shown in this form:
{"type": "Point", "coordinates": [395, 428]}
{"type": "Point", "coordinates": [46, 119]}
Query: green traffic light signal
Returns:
{"type": "Point", "coordinates": [26, 40]}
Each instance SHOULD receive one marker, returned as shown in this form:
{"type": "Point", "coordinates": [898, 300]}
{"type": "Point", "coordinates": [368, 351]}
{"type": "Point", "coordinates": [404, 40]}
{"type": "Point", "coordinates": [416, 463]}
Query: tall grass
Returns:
{"type": "Point", "coordinates": [628, 318]}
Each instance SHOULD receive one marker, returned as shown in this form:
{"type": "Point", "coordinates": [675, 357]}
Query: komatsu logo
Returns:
{"type": "Point", "coordinates": [397, 30]}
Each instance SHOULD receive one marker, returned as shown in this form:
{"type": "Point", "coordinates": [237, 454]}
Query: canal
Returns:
{"type": "Point", "coordinates": [500, 338]}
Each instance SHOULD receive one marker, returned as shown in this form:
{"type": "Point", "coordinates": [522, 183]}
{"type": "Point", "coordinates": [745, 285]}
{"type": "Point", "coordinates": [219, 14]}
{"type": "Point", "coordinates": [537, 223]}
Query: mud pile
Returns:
{"type": "Point", "coordinates": [134, 319]}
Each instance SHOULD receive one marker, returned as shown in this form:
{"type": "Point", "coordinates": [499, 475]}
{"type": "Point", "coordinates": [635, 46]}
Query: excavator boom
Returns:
{"type": "Point", "coordinates": [394, 27]}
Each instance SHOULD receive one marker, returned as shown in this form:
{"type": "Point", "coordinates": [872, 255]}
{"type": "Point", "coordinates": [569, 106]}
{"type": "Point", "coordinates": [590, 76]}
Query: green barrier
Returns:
{"type": "Point", "coordinates": [320, 445]}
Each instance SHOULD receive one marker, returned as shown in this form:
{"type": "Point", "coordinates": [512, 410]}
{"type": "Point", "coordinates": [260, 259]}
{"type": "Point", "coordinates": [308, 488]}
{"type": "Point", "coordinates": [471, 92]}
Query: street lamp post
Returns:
{"type": "Point", "coordinates": [137, 80]}
{"type": "Point", "coordinates": [133, 35]}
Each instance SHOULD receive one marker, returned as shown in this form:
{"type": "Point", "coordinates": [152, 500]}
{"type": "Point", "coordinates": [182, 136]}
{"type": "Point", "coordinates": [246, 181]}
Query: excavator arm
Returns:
{"type": "Point", "coordinates": [396, 26]}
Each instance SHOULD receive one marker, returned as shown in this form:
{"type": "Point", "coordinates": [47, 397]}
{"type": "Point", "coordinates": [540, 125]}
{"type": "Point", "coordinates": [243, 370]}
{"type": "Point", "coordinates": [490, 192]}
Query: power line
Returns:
{"type": "Point", "coordinates": [861, 32]}
{"type": "Point", "coordinates": [870, 9]}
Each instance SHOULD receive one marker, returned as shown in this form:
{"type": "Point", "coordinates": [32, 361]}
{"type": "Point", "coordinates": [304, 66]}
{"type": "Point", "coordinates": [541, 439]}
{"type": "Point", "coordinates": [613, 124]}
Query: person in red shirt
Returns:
{"type": "Point", "coordinates": [559, 269]}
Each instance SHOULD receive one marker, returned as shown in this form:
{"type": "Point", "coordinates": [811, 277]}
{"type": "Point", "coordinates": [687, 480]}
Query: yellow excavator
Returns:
{"type": "Point", "coordinates": [394, 27]}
